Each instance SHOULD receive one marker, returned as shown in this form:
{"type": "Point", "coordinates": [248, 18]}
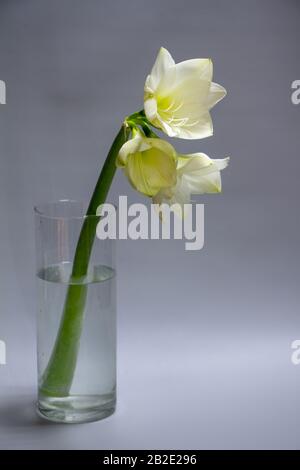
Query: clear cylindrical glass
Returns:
{"type": "Point", "coordinates": [76, 316]}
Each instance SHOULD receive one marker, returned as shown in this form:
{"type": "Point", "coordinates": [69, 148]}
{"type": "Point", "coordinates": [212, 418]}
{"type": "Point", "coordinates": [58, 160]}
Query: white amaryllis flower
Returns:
{"type": "Point", "coordinates": [178, 97]}
{"type": "Point", "coordinates": [196, 174]}
{"type": "Point", "coordinates": [149, 163]}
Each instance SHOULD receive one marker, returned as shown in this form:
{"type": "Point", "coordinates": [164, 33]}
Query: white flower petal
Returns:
{"type": "Point", "coordinates": [182, 193]}
{"type": "Point", "coordinates": [193, 162]}
{"type": "Point", "coordinates": [163, 62]}
{"type": "Point", "coordinates": [221, 163]}
{"type": "Point", "coordinates": [150, 108]}
{"type": "Point", "coordinates": [216, 94]}
{"type": "Point", "coordinates": [177, 197]}
{"type": "Point", "coordinates": [195, 129]}
{"type": "Point", "coordinates": [165, 127]}
{"type": "Point", "coordinates": [208, 184]}
{"type": "Point", "coordinates": [131, 146]}
{"type": "Point", "coordinates": [201, 173]}
{"type": "Point", "coordinates": [172, 92]}
{"type": "Point", "coordinates": [202, 69]}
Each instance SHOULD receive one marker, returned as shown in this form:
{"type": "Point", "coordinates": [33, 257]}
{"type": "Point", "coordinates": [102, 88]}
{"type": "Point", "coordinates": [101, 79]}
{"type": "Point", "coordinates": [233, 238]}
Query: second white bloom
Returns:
{"type": "Point", "coordinates": [196, 174]}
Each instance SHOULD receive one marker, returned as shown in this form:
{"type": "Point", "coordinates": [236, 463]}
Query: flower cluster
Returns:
{"type": "Point", "coordinates": [177, 101]}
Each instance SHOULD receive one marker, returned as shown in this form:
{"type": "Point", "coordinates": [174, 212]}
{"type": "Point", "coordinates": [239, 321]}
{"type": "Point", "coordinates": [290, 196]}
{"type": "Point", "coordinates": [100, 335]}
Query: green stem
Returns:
{"type": "Point", "coordinates": [58, 376]}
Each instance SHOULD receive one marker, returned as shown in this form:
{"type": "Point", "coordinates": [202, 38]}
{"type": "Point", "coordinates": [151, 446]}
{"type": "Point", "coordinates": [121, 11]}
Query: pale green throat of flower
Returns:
{"type": "Point", "coordinates": [177, 101]}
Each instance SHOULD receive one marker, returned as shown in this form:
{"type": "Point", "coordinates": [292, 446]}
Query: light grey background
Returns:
{"type": "Point", "coordinates": [203, 338]}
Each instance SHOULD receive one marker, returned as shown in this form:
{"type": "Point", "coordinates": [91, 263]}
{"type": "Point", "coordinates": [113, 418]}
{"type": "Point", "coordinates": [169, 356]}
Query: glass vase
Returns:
{"type": "Point", "coordinates": [76, 334]}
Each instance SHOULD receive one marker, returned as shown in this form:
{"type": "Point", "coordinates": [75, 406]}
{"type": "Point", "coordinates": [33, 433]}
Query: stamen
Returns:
{"type": "Point", "coordinates": [169, 107]}
{"type": "Point", "coordinates": [192, 123]}
{"type": "Point", "coordinates": [178, 107]}
{"type": "Point", "coordinates": [177, 121]}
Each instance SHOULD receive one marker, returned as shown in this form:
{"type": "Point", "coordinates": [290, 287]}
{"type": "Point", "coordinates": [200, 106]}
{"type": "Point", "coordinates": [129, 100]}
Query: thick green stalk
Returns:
{"type": "Point", "coordinates": [58, 376]}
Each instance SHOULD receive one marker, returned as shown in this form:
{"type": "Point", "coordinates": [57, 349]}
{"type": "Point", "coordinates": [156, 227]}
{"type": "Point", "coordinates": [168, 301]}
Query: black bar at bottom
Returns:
{"type": "Point", "coordinates": [134, 458]}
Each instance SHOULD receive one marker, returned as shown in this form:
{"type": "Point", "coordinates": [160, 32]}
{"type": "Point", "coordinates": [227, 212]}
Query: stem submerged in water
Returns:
{"type": "Point", "coordinates": [58, 376]}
